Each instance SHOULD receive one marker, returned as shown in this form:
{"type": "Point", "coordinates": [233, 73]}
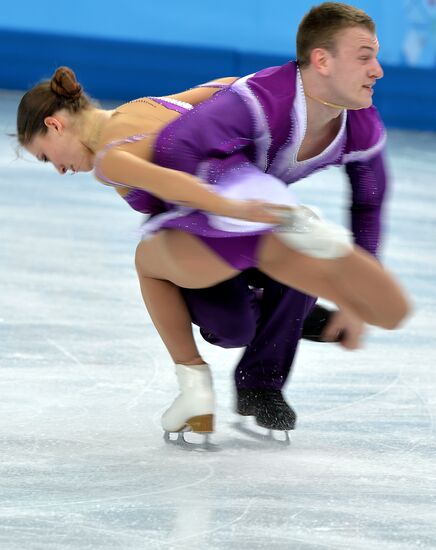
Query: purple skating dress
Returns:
{"type": "Point", "coordinates": [234, 240]}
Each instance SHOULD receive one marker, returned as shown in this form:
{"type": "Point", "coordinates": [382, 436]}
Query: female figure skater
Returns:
{"type": "Point", "coordinates": [209, 233]}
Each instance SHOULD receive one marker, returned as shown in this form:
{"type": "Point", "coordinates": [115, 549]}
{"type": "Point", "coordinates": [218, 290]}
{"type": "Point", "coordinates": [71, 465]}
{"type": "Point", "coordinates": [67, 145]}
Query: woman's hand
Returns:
{"type": "Point", "coordinates": [256, 211]}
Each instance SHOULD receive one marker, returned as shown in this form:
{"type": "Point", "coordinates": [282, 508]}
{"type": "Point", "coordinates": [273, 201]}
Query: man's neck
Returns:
{"type": "Point", "coordinates": [321, 114]}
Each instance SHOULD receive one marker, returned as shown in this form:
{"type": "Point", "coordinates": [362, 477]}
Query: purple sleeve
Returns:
{"type": "Point", "coordinates": [219, 127]}
{"type": "Point", "coordinates": [368, 181]}
{"type": "Point", "coordinates": [144, 202]}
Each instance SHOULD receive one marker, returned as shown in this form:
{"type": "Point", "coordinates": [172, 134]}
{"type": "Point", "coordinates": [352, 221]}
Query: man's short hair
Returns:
{"type": "Point", "coordinates": [320, 26]}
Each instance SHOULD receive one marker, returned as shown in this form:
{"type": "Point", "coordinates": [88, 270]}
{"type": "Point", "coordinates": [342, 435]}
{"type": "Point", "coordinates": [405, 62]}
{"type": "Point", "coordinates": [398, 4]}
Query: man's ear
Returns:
{"type": "Point", "coordinates": [54, 123]}
{"type": "Point", "coordinates": [320, 59]}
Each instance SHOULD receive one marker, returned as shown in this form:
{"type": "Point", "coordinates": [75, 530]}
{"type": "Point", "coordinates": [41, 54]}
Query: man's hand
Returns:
{"type": "Point", "coordinates": [344, 328]}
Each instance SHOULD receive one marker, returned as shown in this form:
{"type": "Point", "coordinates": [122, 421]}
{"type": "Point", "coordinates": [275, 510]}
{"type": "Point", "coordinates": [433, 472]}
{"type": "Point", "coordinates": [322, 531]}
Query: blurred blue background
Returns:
{"type": "Point", "coordinates": [144, 48]}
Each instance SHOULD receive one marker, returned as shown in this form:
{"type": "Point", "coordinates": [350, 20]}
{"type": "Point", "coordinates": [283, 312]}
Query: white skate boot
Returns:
{"type": "Point", "coordinates": [193, 409]}
{"type": "Point", "coordinates": [305, 231]}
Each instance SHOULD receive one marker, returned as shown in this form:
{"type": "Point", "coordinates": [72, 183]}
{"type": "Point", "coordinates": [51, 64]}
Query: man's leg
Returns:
{"type": "Point", "coordinates": [268, 358]}
{"type": "Point", "coordinates": [315, 323]}
{"type": "Point", "coordinates": [267, 361]}
{"type": "Point", "coordinates": [268, 324]}
{"type": "Point", "coordinates": [227, 313]}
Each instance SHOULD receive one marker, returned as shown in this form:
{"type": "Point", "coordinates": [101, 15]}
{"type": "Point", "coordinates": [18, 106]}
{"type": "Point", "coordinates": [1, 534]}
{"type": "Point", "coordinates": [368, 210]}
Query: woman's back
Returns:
{"type": "Point", "coordinates": [141, 119]}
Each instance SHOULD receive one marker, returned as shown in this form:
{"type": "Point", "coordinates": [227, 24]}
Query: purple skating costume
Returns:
{"type": "Point", "coordinates": [261, 117]}
{"type": "Point", "coordinates": [236, 241]}
{"type": "Point", "coordinates": [245, 142]}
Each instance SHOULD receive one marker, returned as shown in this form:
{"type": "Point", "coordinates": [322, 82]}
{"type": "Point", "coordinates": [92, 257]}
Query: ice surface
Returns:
{"type": "Point", "coordinates": [84, 380]}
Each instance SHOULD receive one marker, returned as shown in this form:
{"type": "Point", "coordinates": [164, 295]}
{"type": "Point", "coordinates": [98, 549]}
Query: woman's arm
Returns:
{"type": "Point", "coordinates": [178, 187]}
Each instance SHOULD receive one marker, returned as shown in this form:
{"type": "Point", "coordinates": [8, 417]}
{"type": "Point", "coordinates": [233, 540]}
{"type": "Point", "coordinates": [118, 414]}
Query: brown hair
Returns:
{"type": "Point", "coordinates": [62, 91]}
{"type": "Point", "coordinates": [319, 27]}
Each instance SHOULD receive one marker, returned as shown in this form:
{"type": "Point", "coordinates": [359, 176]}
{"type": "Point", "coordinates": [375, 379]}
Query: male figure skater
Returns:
{"type": "Point", "coordinates": [290, 121]}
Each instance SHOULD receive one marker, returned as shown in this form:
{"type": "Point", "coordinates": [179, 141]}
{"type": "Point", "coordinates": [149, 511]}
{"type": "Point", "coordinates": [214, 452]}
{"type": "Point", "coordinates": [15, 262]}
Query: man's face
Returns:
{"type": "Point", "coordinates": [353, 69]}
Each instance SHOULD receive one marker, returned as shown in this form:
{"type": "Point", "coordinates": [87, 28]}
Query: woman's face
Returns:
{"type": "Point", "coordinates": [61, 146]}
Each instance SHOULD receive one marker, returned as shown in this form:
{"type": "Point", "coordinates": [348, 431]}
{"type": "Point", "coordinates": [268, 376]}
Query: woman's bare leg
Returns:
{"type": "Point", "coordinates": [171, 319]}
{"type": "Point", "coordinates": [186, 262]}
{"type": "Point", "coordinates": [355, 282]}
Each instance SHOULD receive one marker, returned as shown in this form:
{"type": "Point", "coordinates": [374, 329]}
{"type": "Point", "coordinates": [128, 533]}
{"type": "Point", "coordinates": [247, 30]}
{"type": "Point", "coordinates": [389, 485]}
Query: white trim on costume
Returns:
{"type": "Point", "coordinates": [263, 137]}
{"type": "Point", "coordinates": [285, 160]}
{"type": "Point", "coordinates": [213, 84]}
{"type": "Point", "coordinates": [354, 156]}
{"type": "Point", "coordinates": [177, 102]}
{"type": "Point", "coordinates": [155, 223]}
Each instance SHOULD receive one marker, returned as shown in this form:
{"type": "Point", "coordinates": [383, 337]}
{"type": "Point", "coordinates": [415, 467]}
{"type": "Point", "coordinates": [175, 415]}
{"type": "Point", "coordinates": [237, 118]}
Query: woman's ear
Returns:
{"type": "Point", "coordinates": [54, 123]}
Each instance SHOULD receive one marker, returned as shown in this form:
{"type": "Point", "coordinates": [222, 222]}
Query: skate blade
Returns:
{"type": "Point", "coordinates": [196, 442]}
{"type": "Point", "coordinates": [276, 437]}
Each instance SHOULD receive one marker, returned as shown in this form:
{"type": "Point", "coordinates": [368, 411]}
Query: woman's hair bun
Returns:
{"type": "Point", "coordinates": [64, 83]}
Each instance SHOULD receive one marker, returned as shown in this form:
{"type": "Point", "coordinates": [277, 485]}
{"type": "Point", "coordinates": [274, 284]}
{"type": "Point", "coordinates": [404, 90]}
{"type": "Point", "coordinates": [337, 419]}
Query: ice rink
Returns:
{"type": "Point", "coordinates": [84, 380]}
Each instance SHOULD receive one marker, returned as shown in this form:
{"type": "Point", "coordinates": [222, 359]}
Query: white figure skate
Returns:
{"type": "Point", "coordinates": [303, 230]}
{"type": "Point", "coordinates": [193, 409]}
